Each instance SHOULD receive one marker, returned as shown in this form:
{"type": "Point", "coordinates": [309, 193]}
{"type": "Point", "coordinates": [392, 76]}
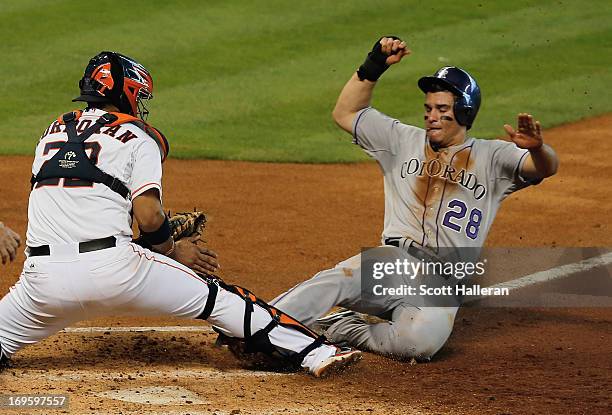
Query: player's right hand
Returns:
{"type": "Point", "coordinates": [199, 258]}
{"type": "Point", "coordinates": [9, 242]}
{"type": "Point", "coordinates": [395, 48]}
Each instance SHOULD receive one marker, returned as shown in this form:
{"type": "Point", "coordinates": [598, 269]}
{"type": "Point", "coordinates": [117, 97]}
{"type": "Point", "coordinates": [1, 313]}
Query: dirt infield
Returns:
{"type": "Point", "coordinates": [276, 224]}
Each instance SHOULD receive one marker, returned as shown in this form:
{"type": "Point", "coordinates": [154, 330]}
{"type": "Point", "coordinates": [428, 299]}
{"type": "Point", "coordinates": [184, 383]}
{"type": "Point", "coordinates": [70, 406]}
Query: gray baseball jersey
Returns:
{"type": "Point", "coordinates": [443, 199]}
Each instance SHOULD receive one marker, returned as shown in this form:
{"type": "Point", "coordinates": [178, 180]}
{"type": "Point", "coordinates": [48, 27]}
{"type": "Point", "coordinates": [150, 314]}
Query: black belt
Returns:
{"type": "Point", "coordinates": [395, 241]}
{"type": "Point", "coordinates": [89, 246]}
{"type": "Point", "coordinates": [417, 251]}
{"type": "Point", "coordinates": [413, 249]}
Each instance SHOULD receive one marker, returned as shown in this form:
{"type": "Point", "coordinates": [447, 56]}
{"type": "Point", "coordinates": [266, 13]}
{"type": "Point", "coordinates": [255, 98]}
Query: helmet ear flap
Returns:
{"type": "Point", "coordinates": [463, 114]}
{"type": "Point", "coordinates": [89, 86]}
{"type": "Point", "coordinates": [103, 79]}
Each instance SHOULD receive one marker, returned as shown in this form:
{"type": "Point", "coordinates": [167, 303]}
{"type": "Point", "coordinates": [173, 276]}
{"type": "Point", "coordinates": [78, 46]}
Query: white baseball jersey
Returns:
{"type": "Point", "coordinates": [66, 285]}
{"type": "Point", "coordinates": [64, 210]}
{"type": "Point", "coordinates": [438, 199]}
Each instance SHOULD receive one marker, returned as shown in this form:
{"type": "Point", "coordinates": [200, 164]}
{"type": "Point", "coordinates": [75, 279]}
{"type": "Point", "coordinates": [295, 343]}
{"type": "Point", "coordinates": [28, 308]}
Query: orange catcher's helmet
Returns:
{"type": "Point", "coordinates": [113, 78]}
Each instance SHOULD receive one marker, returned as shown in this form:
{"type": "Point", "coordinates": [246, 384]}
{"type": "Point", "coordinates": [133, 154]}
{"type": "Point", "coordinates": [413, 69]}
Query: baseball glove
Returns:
{"type": "Point", "coordinates": [187, 224]}
{"type": "Point", "coordinates": [182, 225]}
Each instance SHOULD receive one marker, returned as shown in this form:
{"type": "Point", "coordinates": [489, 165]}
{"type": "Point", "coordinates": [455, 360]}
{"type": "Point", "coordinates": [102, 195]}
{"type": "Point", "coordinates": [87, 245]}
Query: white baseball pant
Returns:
{"type": "Point", "coordinates": [66, 286]}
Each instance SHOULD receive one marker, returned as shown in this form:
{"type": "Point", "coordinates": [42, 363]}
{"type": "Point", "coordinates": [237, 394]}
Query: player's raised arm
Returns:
{"type": "Point", "coordinates": [357, 92]}
{"type": "Point", "coordinates": [542, 161]}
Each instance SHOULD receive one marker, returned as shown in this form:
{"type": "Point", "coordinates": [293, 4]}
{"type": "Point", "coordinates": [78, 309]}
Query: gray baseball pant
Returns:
{"type": "Point", "coordinates": [410, 331]}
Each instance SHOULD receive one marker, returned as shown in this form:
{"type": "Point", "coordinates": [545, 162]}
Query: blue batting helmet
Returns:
{"type": "Point", "coordinates": [462, 85]}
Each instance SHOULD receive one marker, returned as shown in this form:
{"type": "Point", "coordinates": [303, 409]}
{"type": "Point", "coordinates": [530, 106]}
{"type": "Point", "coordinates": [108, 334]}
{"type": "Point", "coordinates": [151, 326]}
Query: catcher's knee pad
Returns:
{"type": "Point", "coordinates": [259, 342]}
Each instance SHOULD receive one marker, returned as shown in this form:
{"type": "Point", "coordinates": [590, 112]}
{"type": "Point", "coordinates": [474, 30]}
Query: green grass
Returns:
{"type": "Point", "coordinates": [256, 80]}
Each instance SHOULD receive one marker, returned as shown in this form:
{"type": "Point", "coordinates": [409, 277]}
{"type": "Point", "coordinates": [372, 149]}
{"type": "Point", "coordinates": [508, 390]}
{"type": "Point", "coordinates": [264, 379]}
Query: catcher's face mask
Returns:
{"type": "Point", "coordinates": [137, 86]}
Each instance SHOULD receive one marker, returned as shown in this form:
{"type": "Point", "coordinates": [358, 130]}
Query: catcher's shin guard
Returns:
{"type": "Point", "coordinates": [259, 342]}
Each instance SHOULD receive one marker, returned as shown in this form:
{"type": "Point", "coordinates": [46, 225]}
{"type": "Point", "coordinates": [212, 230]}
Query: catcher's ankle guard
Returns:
{"type": "Point", "coordinates": [259, 342]}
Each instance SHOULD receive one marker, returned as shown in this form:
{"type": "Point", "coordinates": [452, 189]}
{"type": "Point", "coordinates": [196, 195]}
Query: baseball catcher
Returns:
{"type": "Point", "coordinates": [96, 170]}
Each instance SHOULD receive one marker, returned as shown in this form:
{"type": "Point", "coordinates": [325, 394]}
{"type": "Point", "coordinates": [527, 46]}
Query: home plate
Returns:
{"type": "Point", "coordinates": [155, 395]}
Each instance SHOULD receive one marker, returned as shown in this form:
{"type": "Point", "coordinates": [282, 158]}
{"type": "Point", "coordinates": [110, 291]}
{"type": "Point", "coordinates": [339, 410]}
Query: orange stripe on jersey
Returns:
{"type": "Point", "coordinates": [145, 185]}
{"type": "Point", "coordinates": [192, 274]}
{"type": "Point", "coordinates": [160, 139]}
{"type": "Point", "coordinates": [122, 119]}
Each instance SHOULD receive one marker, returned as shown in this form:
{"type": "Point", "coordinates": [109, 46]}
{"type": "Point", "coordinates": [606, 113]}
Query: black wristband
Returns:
{"type": "Point", "coordinates": [375, 63]}
{"type": "Point", "coordinates": [159, 236]}
{"type": "Point", "coordinates": [142, 242]}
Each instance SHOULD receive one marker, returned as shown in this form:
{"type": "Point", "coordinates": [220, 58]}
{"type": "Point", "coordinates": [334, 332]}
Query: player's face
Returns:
{"type": "Point", "coordinates": [441, 126]}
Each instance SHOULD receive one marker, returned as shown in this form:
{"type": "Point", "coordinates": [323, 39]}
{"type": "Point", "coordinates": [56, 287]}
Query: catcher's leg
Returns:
{"type": "Point", "coordinates": [412, 332]}
{"type": "Point", "coordinates": [36, 307]}
{"type": "Point", "coordinates": [165, 286]}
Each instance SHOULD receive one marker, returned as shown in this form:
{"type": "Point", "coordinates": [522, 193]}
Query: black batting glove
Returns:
{"type": "Point", "coordinates": [375, 63]}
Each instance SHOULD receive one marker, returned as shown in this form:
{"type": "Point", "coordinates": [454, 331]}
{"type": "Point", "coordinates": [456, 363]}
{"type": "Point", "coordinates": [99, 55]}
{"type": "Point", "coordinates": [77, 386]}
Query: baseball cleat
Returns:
{"type": "Point", "coordinates": [323, 323]}
{"type": "Point", "coordinates": [344, 357]}
{"type": "Point", "coordinates": [5, 363]}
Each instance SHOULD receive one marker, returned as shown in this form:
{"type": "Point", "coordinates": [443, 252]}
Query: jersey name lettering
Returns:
{"type": "Point", "coordinates": [435, 168]}
{"type": "Point", "coordinates": [125, 136]}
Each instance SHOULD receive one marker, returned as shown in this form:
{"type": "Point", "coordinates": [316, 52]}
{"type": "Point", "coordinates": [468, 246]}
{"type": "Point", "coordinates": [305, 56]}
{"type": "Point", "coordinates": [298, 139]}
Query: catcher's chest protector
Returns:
{"type": "Point", "coordinates": [72, 163]}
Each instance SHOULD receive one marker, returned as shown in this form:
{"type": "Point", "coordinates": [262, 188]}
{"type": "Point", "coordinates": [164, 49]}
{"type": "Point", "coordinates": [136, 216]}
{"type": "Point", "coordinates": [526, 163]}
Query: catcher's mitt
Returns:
{"type": "Point", "coordinates": [182, 225]}
{"type": "Point", "coordinates": [186, 224]}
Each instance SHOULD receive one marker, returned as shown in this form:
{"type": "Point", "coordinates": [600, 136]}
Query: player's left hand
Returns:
{"type": "Point", "coordinates": [529, 133]}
